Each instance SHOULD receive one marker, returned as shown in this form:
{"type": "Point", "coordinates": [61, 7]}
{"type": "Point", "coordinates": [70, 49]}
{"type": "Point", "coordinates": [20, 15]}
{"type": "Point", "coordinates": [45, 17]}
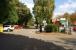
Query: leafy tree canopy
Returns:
{"type": "Point", "coordinates": [43, 9]}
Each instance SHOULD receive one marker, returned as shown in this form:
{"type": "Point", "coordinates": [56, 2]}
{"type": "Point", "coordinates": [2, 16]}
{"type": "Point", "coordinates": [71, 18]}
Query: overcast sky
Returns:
{"type": "Point", "coordinates": [61, 6]}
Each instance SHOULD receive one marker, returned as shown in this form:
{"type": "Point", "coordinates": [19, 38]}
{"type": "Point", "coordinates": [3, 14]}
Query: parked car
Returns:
{"type": "Point", "coordinates": [74, 28]}
{"type": "Point", "coordinates": [8, 28]}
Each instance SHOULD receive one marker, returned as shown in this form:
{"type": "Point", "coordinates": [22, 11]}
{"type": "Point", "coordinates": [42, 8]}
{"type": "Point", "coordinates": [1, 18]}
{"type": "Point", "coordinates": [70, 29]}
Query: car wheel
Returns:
{"type": "Point", "coordinates": [8, 30]}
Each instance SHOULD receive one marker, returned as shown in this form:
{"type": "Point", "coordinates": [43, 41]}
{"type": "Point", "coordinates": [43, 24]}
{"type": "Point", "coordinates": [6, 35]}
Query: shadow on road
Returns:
{"type": "Point", "coordinates": [18, 42]}
{"type": "Point", "coordinates": [71, 41]}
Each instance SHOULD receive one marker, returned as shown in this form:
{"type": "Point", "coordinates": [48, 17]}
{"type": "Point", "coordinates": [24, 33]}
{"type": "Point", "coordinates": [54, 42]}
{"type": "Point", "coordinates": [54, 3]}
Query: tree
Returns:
{"type": "Point", "coordinates": [43, 9]}
{"type": "Point", "coordinates": [8, 11]}
{"type": "Point", "coordinates": [23, 13]}
{"type": "Point", "coordinates": [3, 10]}
{"type": "Point", "coordinates": [73, 17]}
{"type": "Point", "coordinates": [13, 16]}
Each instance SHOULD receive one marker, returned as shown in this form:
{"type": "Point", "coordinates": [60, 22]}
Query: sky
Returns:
{"type": "Point", "coordinates": [61, 6]}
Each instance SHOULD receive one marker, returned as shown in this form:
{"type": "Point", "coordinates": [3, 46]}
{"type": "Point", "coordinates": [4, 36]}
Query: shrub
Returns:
{"type": "Point", "coordinates": [48, 28]}
{"type": "Point", "coordinates": [55, 28]}
{"type": "Point", "coordinates": [51, 28]}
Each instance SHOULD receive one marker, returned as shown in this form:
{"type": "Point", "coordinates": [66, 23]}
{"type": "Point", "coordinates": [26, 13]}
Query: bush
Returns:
{"type": "Point", "coordinates": [51, 28]}
{"type": "Point", "coordinates": [55, 28]}
{"type": "Point", "coordinates": [48, 28]}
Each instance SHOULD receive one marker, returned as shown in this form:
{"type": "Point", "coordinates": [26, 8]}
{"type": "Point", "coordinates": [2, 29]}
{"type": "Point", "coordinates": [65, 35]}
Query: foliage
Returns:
{"type": "Point", "coordinates": [23, 13]}
{"type": "Point", "coordinates": [8, 11]}
{"type": "Point", "coordinates": [48, 28]}
{"type": "Point", "coordinates": [3, 10]}
{"type": "Point", "coordinates": [43, 9]}
{"type": "Point", "coordinates": [51, 28]}
{"type": "Point", "coordinates": [31, 22]}
{"type": "Point", "coordinates": [12, 17]}
{"type": "Point", "coordinates": [55, 28]}
{"type": "Point", "coordinates": [73, 17]}
{"type": "Point", "coordinates": [14, 12]}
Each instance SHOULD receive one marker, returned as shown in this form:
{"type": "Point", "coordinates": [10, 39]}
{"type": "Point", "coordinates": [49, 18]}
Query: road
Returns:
{"type": "Point", "coordinates": [67, 41]}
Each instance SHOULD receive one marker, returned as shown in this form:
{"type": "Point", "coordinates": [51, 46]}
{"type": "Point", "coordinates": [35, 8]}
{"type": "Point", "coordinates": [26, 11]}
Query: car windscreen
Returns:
{"type": "Point", "coordinates": [6, 26]}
